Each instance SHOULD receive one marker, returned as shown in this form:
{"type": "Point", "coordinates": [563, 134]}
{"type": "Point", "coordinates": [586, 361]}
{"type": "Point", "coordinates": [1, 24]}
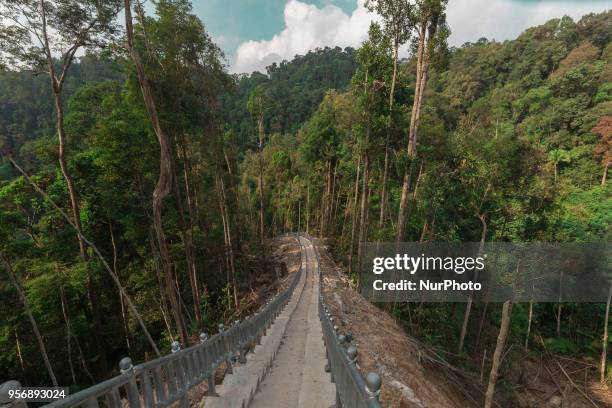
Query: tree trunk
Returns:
{"type": "Point", "coordinates": [68, 335]}
{"type": "Point", "coordinates": [497, 355]}
{"type": "Point", "coordinates": [331, 223]}
{"type": "Point", "coordinates": [560, 305]}
{"type": "Point", "coordinates": [383, 195]}
{"type": "Point", "coordinates": [418, 180]}
{"type": "Point", "coordinates": [308, 208]}
{"type": "Point", "coordinates": [261, 183]}
{"type": "Point", "coordinates": [164, 182]}
{"type": "Point", "coordinates": [604, 344]}
{"type": "Point", "coordinates": [412, 132]}
{"type": "Point", "coordinates": [20, 357]}
{"type": "Point", "coordinates": [189, 248]}
{"type": "Point", "coordinates": [468, 307]}
{"type": "Point", "coordinates": [530, 319]}
{"type": "Point", "coordinates": [190, 251]}
{"type": "Point", "coordinates": [354, 217]}
{"type": "Point", "coordinates": [605, 173]}
{"type": "Point", "coordinates": [481, 324]}
{"type": "Point", "coordinates": [228, 236]}
{"type": "Point", "coordinates": [237, 213]}
{"type": "Point", "coordinates": [363, 219]}
{"type": "Point", "coordinates": [126, 329]}
{"type": "Point", "coordinates": [402, 214]}
{"type": "Point", "coordinates": [26, 306]}
{"type": "Point", "coordinates": [421, 79]}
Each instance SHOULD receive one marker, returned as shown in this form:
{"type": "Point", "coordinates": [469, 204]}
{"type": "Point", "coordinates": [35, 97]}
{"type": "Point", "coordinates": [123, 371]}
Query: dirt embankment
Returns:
{"type": "Point", "coordinates": [411, 376]}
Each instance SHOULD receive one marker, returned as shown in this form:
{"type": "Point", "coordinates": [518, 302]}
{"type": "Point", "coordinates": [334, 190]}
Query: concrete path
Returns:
{"type": "Point", "coordinates": [297, 377]}
{"type": "Point", "coordinates": [288, 368]}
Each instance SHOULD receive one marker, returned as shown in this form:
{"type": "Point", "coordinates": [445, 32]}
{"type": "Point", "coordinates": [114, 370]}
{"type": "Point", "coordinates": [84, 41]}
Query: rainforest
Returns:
{"type": "Point", "coordinates": [142, 185]}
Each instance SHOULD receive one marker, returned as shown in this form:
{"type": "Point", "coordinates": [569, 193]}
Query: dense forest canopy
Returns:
{"type": "Point", "coordinates": [490, 141]}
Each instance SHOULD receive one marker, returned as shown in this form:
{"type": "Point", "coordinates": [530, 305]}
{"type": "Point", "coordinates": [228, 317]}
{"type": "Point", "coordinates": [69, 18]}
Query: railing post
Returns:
{"type": "Point", "coordinates": [351, 353]}
{"type": "Point", "coordinates": [228, 352]}
{"type": "Point", "coordinates": [372, 388]}
{"type": "Point", "coordinates": [5, 400]}
{"type": "Point", "coordinates": [127, 368]}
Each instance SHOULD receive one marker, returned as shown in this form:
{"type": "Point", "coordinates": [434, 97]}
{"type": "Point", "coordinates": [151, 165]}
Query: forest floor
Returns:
{"type": "Point", "coordinates": [412, 377]}
{"type": "Point", "coordinates": [557, 381]}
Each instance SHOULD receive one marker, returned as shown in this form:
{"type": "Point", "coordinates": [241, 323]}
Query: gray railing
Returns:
{"type": "Point", "coordinates": [352, 390]}
{"type": "Point", "coordinates": [161, 382]}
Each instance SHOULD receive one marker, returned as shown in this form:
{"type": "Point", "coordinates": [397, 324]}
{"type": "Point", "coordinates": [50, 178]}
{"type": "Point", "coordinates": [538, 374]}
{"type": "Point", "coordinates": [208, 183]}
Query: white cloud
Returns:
{"type": "Point", "coordinates": [501, 20]}
{"type": "Point", "coordinates": [306, 27]}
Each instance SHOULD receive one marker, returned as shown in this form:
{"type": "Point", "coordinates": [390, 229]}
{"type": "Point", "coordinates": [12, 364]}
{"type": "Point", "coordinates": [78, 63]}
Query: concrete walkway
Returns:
{"type": "Point", "coordinates": [297, 377]}
{"type": "Point", "coordinates": [288, 368]}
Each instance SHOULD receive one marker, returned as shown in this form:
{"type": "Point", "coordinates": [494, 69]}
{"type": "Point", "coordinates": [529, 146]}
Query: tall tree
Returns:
{"type": "Point", "coordinates": [258, 104]}
{"type": "Point", "coordinates": [185, 66]}
{"type": "Point", "coordinates": [398, 23]}
{"type": "Point", "coordinates": [432, 32]}
{"type": "Point", "coordinates": [166, 175]}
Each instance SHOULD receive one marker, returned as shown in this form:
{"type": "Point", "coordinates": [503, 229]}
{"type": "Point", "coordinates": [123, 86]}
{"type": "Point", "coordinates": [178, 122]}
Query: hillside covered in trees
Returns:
{"type": "Point", "coordinates": [127, 221]}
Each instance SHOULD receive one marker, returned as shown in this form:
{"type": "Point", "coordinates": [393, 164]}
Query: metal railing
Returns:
{"type": "Point", "coordinates": [161, 382]}
{"type": "Point", "coordinates": [352, 390]}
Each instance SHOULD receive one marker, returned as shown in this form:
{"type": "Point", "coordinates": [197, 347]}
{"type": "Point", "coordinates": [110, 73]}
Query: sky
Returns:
{"type": "Point", "coordinates": [255, 33]}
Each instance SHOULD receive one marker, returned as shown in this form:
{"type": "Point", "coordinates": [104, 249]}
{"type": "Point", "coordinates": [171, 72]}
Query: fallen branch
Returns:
{"type": "Point", "coordinates": [584, 394]}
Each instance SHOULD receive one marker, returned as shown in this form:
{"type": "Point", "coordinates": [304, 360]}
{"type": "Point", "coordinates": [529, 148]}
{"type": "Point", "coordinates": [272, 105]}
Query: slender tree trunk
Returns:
{"type": "Point", "coordinates": [228, 237]}
{"type": "Point", "coordinates": [605, 173]}
{"type": "Point", "coordinates": [497, 355]}
{"type": "Point", "coordinates": [325, 200]}
{"type": "Point", "coordinates": [412, 134]}
{"type": "Point", "coordinates": [363, 219]}
{"type": "Point", "coordinates": [308, 209]}
{"type": "Point", "coordinates": [187, 230]}
{"type": "Point", "coordinates": [559, 305]}
{"type": "Point", "coordinates": [331, 228]}
{"type": "Point", "coordinates": [20, 356]}
{"type": "Point", "coordinates": [468, 307]}
{"type": "Point", "coordinates": [481, 324]}
{"type": "Point", "coordinates": [530, 319]}
{"type": "Point", "coordinates": [424, 230]}
{"type": "Point", "coordinates": [164, 182]}
{"type": "Point", "coordinates": [237, 220]}
{"type": "Point", "coordinates": [261, 183]}
{"type": "Point", "coordinates": [604, 343]}
{"type": "Point", "coordinates": [189, 248]}
{"type": "Point", "coordinates": [383, 195]}
{"type": "Point", "coordinates": [26, 306]}
{"type": "Point", "coordinates": [126, 329]}
{"type": "Point", "coordinates": [354, 216]}
{"type": "Point", "coordinates": [418, 180]}
{"type": "Point", "coordinates": [68, 335]}
{"type": "Point", "coordinates": [402, 214]}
